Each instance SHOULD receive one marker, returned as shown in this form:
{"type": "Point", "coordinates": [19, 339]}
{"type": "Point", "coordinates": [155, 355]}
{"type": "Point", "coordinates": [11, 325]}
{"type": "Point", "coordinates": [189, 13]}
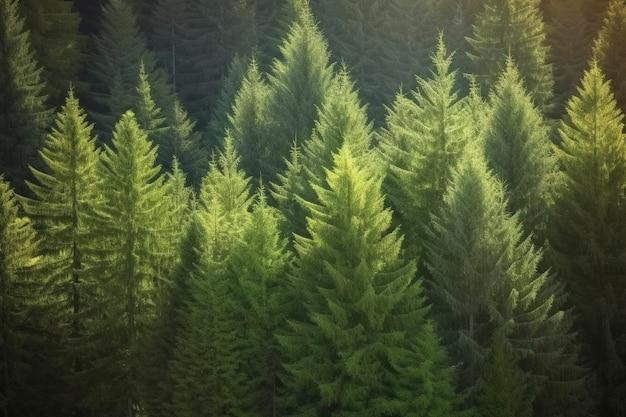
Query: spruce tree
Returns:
{"type": "Point", "coordinates": [518, 150]}
{"type": "Point", "coordinates": [609, 50]}
{"type": "Point", "coordinates": [208, 373]}
{"type": "Point", "coordinates": [64, 192]}
{"type": "Point", "coordinates": [23, 112]}
{"type": "Point", "coordinates": [136, 241]}
{"type": "Point", "coordinates": [587, 237]}
{"type": "Point", "coordinates": [425, 134]}
{"type": "Point", "coordinates": [486, 279]}
{"type": "Point", "coordinates": [298, 83]}
{"type": "Point", "coordinates": [513, 28]}
{"type": "Point", "coordinates": [119, 49]}
{"type": "Point", "coordinates": [364, 345]}
{"type": "Point", "coordinates": [18, 257]}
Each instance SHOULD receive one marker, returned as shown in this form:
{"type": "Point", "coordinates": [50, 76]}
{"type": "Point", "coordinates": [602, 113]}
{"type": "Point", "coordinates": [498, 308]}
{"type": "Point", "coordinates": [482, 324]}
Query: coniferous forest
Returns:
{"type": "Point", "coordinates": [373, 208]}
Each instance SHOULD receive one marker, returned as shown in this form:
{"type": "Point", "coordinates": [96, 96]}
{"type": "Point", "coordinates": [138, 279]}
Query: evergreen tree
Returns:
{"type": "Point", "coordinates": [588, 231]}
{"type": "Point", "coordinates": [18, 296]}
{"type": "Point", "coordinates": [119, 49]}
{"type": "Point", "coordinates": [54, 33]}
{"type": "Point", "coordinates": [259, 262]}
{"type": "Point", "coordinates": [518, 150]}
{"type": "Point", "coordinates": [341, 120]}
{"type": "Point", "coordinates": [513, 28]}
{"type": "Point", "coordinates": [364, 345]}
{"type": "Point", "coordinates": [63, 193]}
{"type": "Point", "coordinates": [298, 84]}
{"type": "Point", "coordinates": [23, 112]}
{"type": "Point", "coordinates": [609, 50]}
{"type": "Point", "coordinates": [485, 279]}
{"type": "Point", "coordinates": [137, 240]}
{"type": "Point", "coordinates": [424, 137]}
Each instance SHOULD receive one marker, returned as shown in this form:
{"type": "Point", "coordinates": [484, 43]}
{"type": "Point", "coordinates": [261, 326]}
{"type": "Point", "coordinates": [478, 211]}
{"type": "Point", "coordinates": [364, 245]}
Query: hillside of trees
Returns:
{"type": "Point", "coordinates": [373, 208]}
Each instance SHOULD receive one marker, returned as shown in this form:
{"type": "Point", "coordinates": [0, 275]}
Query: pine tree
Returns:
{"type": "Point", "coordinates": [64, 192]}
{"type": "Point", "coordinates": [209, 377]}
{"type": "Point", "coordinates": [424, 137]}
{"type": "Point", "coordinates": [518, 150]}
{"type": "Point", "coordinates": [341, 120]}
{"type": "Point", "coordinates": [259, 262]}
{"type": "Point", "coordinates": [587, 237]}
{"type": "Point", "coordinates": [513, 28]}
{"type": "Point", "coordinates": [364, 345]}
{"type": "Point", "coordinates": [18, 257]}
{"type": "Point", "coordinates": [23, 112]}
{"type": "Point", "coordinates": [298, 84]}
{"type": "Point", "coordinates": [54, 33]}
{"type": "Point", "coordinates": [609, 50]}
{"type": "Point", "coordinates": [119, 49]}
{"type": "Point", "coordinates": [486, 279]}
{"type": "Point", "coordinates": [137, 238]}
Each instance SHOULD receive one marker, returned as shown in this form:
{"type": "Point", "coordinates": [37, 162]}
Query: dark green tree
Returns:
{"type": "Point", "coordinates": [18, 258]}
{"type": "Point", "coordinates": [136, 253]}
{"type": "Point", "coordinates": [518, 150]}
{"type": "Point", "coordinates": [609, 50]}
{"type": "Point", "coordinates": [57, 41]}
{"type": "Point", "coordinates": [513, 28]}
{"type": "Point", "coordinates": [118, 51]}
{"type": "Point", "coordinates": [64, 192]}
{"type": "Point", "coordinates": [24, 115]}
{"type": "Point", "coordinates": [425, 134]}
{"type": "Point", "coordinates": [364, 345]}
{"type": "Point", "coordinates": [587, 237]}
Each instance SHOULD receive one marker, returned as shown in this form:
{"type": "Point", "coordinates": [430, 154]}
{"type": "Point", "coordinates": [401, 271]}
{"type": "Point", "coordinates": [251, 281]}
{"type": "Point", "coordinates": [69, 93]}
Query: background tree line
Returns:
{"type": "Point", "coordinates": [385, 208]}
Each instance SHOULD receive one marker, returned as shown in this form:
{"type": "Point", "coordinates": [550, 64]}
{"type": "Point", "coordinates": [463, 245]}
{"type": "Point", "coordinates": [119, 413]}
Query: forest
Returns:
{"type": "Point", "coordinates": [373, 208]}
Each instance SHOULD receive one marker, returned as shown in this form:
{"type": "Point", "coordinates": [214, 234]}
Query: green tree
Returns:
{"type": "Point", "coordinates": [425, 135]}
{"type": "Point", "coordinates": [54, 33]}
{"type": "Point", "coordinates": [518, 150]}
{"type": "Point", "coordinates": [119, 49]}
{"type": "Point", "coordinates": [341, 120]}
{"type": "Point", "coordinates": [137, 251]}
{"type": "Point", "coordinates": [513, 28]}
{"type": "Point", "coordinates": [363, 345]}
{"type": "Point", "coordinates": [24, 115]}
{"type": "Point", "coordinates": [63, 195]}
{"type": "Point", "coordinates": [298, 84]}
{"type": "Point", "coordinates": [587, 237]}
{"type": "Point", "coordinates": [208, 373]}
{"type": "Point", "coordinates": [609, 50]}
{"type": "Point", "coordinates": [486, 279]}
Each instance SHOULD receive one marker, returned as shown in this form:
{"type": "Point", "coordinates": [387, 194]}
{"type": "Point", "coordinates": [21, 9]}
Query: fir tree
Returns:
{"type": "Point", "coordinates": [23, 112]}
{"type": "Point", "coordinates": [364, 345]}
{"type": "Point", "coordinates": [587, 237]}
{"type": "Point", "coordinates": [517, 147]}
{"type": "Point", "coordinates": [208, 374]}
{"type": "Point", "coordinates": [513, 28]}
{"type": "Point", "coordinates": [424, 137]}
{"type": "Point", "coordinates": [64, 192]}
{"type": "Point", "coordinates": [609, 50]}
{"type": "Point", "coordinates": [18, 257]}
{"type": "Point", "coordinates": [136, 241]}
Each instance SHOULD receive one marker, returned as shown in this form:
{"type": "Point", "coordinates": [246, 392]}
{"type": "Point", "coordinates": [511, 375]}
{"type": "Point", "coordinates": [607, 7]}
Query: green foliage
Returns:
{"type": "Point", "coordinates": [513, 28]}
{"type": "Point", "coordinates": [18, 289]}
{"type": "Point", "coordinates": [423, 139]}
{"type": "Point", "coordinates": [137, 252]}
{"type": "Point", "coordinates": [364, 345]}
{"type": "Point", "coordinates": [587, 237]}
{"type": "Point", "coordinates": [518, 150]}
{"type": "Point", "coordinates": [609, 50]}
{"type": "Point", "coordinates": [23, 112]}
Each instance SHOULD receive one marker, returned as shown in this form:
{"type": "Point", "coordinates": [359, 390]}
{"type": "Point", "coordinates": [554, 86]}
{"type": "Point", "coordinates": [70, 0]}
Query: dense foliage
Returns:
{"type": "Point", "coordinates": [337, 208]}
